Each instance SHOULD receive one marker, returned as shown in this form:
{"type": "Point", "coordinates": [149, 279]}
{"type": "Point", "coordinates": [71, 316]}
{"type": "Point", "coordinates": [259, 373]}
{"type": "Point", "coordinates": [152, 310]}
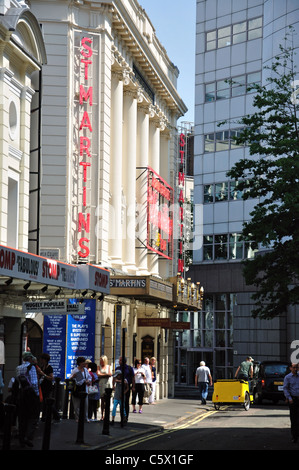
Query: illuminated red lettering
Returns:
{"type": "Point", "coordinates": [100, 280]}
{"type": "Point", "coordinates": [181, 178]}
{"type": "Point", "coordinates": [85, 223]}
{"type": "Point", "coordinates": [84, 147]}
{"type": "Point", "coordinates": [181, 197]}
{"type": "Point", "coordinates": [182, 140]}
{"type": "Point", "coordinates": [85, 249]}
{"type": "Point", "coordinates": [86, 64]}
{"type": "Point", "coordinates": [85, 122]}
{"type": "Point", "coordinates": [86, 96]}
{"type": "Point", "coordinates": [86, 47]}
{"type": "Point", "coordinates": [180, 265]}
{"type": "Point", "coordinates": [7, 259]}
{"type": "Point", "coordinates": [50, 270]}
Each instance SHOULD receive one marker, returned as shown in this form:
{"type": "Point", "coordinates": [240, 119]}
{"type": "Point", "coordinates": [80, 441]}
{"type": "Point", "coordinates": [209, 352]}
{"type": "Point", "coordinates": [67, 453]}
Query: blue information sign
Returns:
{"type": "Point", "coordinates": [54, 342]}
{"type": "Point", "coordinates": [80, 335]}
{"type": "Point", "coordinates": [67, 337]}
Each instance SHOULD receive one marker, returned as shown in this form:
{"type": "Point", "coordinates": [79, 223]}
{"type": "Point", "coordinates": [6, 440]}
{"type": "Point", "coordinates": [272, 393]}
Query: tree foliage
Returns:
{"type": "Point", "coordinates": [271, 174]}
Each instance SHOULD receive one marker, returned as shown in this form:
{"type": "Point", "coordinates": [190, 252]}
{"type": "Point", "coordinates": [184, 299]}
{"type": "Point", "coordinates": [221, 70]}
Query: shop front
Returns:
{"type": "Point", "coordinates": [153, 324]}
{"type": "Point", "coordinates": [42, 303]}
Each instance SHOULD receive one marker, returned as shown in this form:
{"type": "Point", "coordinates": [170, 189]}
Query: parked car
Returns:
{"type": "Point", "coordinates": [268, 381]}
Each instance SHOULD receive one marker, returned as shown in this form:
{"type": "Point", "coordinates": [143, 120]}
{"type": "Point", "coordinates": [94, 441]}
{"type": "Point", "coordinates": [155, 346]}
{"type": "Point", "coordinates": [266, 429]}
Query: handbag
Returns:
{"type": "Point", "coordinates": [92, 389]}
{"type": "Point", "coordinates": [147, 390]}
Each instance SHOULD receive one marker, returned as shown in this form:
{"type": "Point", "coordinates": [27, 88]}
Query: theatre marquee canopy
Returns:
{"type": "Point", "coordinates": [18, 267]}
{"type": "Point", "coordinates": [173, 294]}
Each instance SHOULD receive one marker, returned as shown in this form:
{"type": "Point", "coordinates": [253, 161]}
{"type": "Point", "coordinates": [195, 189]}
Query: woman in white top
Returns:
{"type": "Point", "coordinates": [105, 374]}
{"type": "Point", "coordinates": [82, 378]}
{"type": "Point", "coordinates": [138, 387]}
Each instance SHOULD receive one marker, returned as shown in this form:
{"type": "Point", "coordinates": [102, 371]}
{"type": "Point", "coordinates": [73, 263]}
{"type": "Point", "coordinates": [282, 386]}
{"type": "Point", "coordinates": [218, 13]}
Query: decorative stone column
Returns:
{"type": "Point", "coordinates": [141, 184]}
{"type": "Point", "coordinates": [129, 178]}
{"type": "Point", "coordinates": [115, 205]}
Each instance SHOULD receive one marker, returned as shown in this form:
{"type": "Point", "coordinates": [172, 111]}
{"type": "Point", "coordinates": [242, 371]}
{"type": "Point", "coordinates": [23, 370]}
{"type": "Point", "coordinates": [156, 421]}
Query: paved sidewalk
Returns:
{"type": "Point", "coordinates": [164, 414]}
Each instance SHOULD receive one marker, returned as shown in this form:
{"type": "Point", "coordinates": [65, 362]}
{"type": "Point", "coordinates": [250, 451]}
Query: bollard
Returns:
{"type": "Point", "coordinates": [68, 408]}
{"type": "Point", "coordinates": [47, 429]}
{"type": "Point", "coordinates": [57, 394]}
{"type": "Point", "coordinates": [66, 400]}
{"type": "Point", "coordinates": [8, 413]}
{"type": "Point", "coordinates": [80, 431]}
{"type": "Point", "coordinates": [108, 392]}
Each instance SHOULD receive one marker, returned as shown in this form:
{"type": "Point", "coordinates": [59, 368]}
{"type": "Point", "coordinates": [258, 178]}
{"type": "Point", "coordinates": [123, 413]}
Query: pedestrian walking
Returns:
{"type": "Point", "coordinates": [291, 392]}
{"type": "Point", "coordinates": [152, 364]}
{"type": "Point", "coordinates": [148, 374]}
{"type": "Point", "coordinates": [93, 392]}
{"type": "Point", "coordinates": [138, 387]}
{"type": "Point", "coordinates": [203, 379]}
{"type": "Point", "coordinates": [105, 381]}
{"type": "Point", "coordinates": [129, 377]}
{"type": "Point", "coordinates": [117, 400]}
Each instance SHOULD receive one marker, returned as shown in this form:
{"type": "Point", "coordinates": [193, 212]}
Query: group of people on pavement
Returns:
{"type": "Point", "coordinates": [34, 380]}
{"type": "Point", "coordinates": [29, 390]}
{"type": "Point", "coordinates": [88, 376]}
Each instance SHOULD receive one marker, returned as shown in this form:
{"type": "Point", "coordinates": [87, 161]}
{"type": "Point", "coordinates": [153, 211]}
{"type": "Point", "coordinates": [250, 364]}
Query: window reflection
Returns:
{"type": "Point", "coordinates": [235, 34]}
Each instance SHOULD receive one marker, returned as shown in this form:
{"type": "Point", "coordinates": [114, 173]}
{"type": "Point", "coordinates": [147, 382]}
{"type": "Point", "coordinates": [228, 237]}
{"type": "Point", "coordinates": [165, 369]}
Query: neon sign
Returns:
{"type": "Point", "coordinates": [85, 134]}
{"type": "Point", "coordinates": [159, 215]}
{"type": "Point", "coordinates": [181, 184]}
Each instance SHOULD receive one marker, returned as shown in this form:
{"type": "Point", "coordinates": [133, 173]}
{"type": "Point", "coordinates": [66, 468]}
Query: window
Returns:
{"type": "Point", "coordinates": [255, 28]}
{"type": "Point", "coordinates": [223, 90]}
{"type": "Point", "coordinates": [235, 246]}
{"type": "Point", "coordinates": [235, 193]}
{"type": "Point", "coordinates": [235, 133]}
{"type": "Point", "coordinates": [208, 247]}
{"type": "Point", "coordinates": [211, 40]}
{"type": "Point", "coordinates": [210, 92]}
{"type": "Point", "coordinates": [220, 246]}
{"type": "Point", "coordinates": [208, 195]}
{"type": "Point", "coordinates": [239, 86]}
{"type": "Point", "coordinates": [239, 32]}
{"type": "Point", "coordinates": [227, 246]}
{"type": "Point", "coordinates": [224, 140]}
{"type": "Point", "coordinates": [250, 249]}
{"type": "Point", "coordinates": [229, 88]}
{"type": "Point", "coordinates": [222, 191]}
{"type": "Point", "coordinates": [209, 142]}
{"type": "Point", "coordinates": [224, 37]}
{"type": "Point", "coordinates": [254, 77]}
{"type": "Point", "coordinates": [235, 34]}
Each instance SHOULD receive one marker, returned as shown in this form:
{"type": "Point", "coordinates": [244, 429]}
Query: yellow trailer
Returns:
{"type": "Point", "coordinates": [232, 391]}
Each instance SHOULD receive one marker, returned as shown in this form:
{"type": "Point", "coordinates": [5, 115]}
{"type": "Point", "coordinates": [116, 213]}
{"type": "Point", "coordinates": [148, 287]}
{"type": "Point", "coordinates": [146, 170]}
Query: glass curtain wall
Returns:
{"type": "Point", "coordinates": [209, 339]}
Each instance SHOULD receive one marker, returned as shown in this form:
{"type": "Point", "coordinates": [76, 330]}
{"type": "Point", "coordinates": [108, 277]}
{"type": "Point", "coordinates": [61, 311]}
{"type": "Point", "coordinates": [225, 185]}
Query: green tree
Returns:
{"type": "Point", "coordinates": [271, 174]}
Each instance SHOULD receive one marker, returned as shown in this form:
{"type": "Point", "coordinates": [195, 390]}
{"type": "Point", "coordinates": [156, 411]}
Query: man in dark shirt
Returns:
{"type": "Point", "coordinates": [291, 392]}
{"type": "Point", "coordinates": [130, 378]}
{"type": "Point", "coordinates": [47, 379]}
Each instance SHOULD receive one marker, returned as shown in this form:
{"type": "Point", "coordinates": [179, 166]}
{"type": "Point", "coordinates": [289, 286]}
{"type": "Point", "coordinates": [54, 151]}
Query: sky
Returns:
{"type": "Point", "coordinates": [175, 25]}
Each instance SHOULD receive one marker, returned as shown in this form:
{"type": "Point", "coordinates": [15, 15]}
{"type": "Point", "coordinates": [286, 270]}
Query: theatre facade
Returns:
{"type": "Point", "coordinates": [98, 267]}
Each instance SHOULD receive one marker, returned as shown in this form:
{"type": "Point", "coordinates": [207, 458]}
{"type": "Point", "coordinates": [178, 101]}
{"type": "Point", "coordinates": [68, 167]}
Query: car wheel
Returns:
{"type": "Point", "coordinates": [247, 401]}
